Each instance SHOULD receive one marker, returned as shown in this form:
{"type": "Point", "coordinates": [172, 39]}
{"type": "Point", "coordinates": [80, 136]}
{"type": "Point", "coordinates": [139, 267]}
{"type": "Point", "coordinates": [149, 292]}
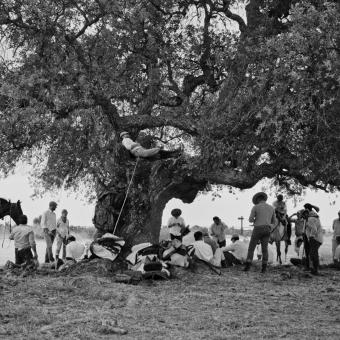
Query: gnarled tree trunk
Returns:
{"type": "Point", "coordinates": [153, 185]}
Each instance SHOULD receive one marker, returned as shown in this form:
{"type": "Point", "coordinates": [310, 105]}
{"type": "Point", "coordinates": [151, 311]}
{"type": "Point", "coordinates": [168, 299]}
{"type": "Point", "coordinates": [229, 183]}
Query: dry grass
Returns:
{"type": "Point", "coordinates": [285, 303]}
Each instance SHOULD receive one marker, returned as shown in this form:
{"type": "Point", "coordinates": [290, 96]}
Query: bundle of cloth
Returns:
{"type": "Point", "coordinates": [147, 259]}
{"type": "Point", "coordinates": [107, 247]}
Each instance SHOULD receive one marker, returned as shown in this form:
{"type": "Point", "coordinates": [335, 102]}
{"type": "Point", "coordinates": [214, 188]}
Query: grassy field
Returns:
{"type": "Point", "coordinates": [286, 303]}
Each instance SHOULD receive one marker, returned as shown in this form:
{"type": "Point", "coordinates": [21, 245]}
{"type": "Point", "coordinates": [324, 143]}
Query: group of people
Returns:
{"type": "Point", "coordinates": [202, 244]}
{"type": "Point", "coordinates": [211, 246]}
{"type": "Point", "coordinates": [54, 230]}
{"type": "Point", "coordinates": [205, 245]}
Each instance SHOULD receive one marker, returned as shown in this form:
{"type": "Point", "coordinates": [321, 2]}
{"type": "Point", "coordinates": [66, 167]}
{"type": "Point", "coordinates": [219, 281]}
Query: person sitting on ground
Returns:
{"type": "Point", "coordinates": [24, 241]}
{"type": "Point", "coordinates": [217, 231]}
{"type": "Point", "coordinates": [138, 151]}
{"type": "Point", "coordinates": [236, 252]}
{"type": "Point", "coordinates": [208, 240]}
{"type": "Point", "coordinates": [313, 238]}
{"type": "Point", "coordinates": [204, 252]}
{"type": "Point", "coordinates": [176, 224]}
{"type": "Point", "coordinates": [176, 254]}
{"type": "Point", "coordinates": [74, 249]}
{"type": "Point", "coordinates": [63, 230]}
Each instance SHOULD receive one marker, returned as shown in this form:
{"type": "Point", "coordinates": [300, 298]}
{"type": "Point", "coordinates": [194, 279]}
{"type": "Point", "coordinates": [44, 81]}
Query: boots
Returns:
{"type": "Point", "coordinates": [247, 267]}
{"type": "Point", "coordinates": [264, 268]}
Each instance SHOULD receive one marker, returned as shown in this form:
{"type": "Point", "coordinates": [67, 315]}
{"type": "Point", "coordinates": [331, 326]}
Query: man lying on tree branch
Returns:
{"type": "Point", "coordinates": [154, 153]}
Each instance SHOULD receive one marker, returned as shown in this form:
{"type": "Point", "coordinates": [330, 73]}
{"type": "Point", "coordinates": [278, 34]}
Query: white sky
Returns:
{"type": "Point", "coordinates": [228, 207]}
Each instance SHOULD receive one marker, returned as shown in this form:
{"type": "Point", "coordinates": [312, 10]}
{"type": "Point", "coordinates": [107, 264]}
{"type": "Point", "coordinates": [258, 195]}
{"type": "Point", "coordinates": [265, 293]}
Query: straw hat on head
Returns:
{"type": "Point", "coordinates": [260, 196]}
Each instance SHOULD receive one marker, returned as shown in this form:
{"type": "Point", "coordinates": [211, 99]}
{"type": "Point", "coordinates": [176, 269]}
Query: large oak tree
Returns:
{"type": "Point", "coordinates": [259, 89]}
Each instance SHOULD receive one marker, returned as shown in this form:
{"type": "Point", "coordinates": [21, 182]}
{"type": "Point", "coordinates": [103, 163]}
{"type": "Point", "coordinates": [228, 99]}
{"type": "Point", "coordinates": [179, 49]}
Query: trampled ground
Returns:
{"type": "Point", "coordinates": [285, 303]}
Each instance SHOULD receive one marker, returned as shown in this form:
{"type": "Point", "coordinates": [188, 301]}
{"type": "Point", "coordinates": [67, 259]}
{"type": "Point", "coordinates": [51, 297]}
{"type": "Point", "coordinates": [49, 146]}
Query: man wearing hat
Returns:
{"type": "Point", "coordinates": [263, 217]}
{"type": "Point", "coordinates": [336, 233]}
{"type": "Point", "coordinates": [49, 225]}
{"type": "Point", "coordinates": [236, 252]}
{"type": "Point", "coordinates": [138, 151]}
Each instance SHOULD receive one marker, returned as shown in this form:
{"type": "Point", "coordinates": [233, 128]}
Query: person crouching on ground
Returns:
{"type": "Point", "coordinates": [263, 217]}
{"type": "Point", "coordinates": [217, 231]}
{"type": "Point", "coordinates": [203, 251]}
{"type": "Point", "coordinates": [313, 239]}
{"type": "Point", "coordinates": [24, 241]}
{"type": "Point", "coordinates": [236, 252]}
{"type": "Point", "coordinates": [74, 249]}
{"type": "Point", "coordinates": [63, 230]}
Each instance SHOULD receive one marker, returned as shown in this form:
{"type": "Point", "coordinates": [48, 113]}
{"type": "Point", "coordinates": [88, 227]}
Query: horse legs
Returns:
{"type": "Point", "coordinates": [286, 250]}
{"type": "Point", "coordinates": [278, 251]}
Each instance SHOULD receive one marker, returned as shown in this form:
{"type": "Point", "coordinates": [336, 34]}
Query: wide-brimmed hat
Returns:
{"type": "Point", "coordinates": [235, 237]}
{"type": "Point", "coordinates": [124, 133]}
{"type": "Point", "coordinates": [259, 195]}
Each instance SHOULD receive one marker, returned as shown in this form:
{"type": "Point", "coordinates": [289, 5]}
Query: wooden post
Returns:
{"type": "Point", "coordinates": [241, 219]}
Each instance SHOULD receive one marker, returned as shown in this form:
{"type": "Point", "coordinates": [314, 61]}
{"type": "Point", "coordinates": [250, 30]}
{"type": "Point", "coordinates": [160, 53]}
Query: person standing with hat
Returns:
{"type": "Point", "coordinates": [49, 225]}
{"type": "Point", "coordinates": [313, 237]}
{"type": "Point", "coordinates": [336, 233]}
{"type": "Point", "coordinates": [263, 217]}
{"type": "Point", "coordinates": [138, 151]}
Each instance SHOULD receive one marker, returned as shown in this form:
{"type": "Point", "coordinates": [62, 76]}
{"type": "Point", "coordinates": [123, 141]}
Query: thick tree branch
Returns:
{"type": "Point", "coordinates": [147, 122]}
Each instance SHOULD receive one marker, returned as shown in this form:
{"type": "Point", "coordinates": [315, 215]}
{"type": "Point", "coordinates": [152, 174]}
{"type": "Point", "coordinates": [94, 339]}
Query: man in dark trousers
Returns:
{"type": "Point", "coordinates": [263, 217]}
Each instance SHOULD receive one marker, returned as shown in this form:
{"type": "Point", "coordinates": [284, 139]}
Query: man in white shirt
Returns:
{"type": "Point", "coordinates": [176, 224]}
{"type": "Point", "coordinates": [49, 225]}
{"type": "Point", "coordinates": [138, 151]}
{"type": "Point", "coordinates": [203, 251]}
{"type": "Point", "coordinates": [236, 252]}
{"type": "Point", "coordinates": [63, 226]}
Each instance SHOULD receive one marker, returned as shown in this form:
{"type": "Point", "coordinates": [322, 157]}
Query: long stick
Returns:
{"type": "Point", "coordinates": [126, 195]}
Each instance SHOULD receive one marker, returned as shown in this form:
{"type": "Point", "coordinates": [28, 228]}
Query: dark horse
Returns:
{"type": "Point", "coordinates": [11, 209]}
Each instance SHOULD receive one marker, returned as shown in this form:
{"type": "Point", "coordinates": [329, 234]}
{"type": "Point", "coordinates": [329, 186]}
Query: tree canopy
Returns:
{"type": "Point", "coordinates": [254, 82]}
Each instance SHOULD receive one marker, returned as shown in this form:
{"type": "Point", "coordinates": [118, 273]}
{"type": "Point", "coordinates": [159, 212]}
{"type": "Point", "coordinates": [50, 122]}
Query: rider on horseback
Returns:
{"type": "Point", "coordinates": [281, 214]}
